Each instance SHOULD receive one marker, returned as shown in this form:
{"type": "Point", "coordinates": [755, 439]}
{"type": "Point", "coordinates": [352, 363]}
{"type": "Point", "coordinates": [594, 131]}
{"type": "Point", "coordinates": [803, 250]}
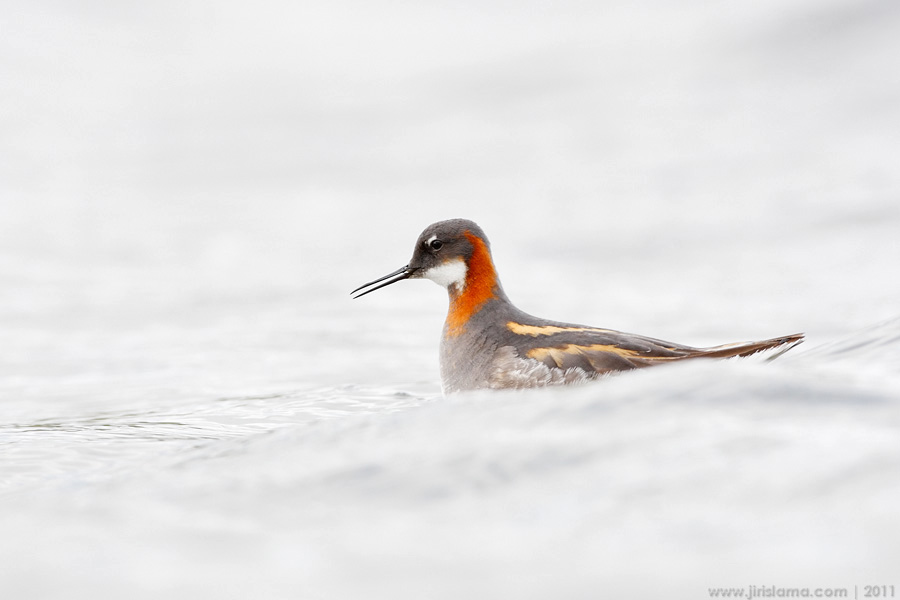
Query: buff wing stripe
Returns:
{"type": "Point", "coordinates": [558, 354]}
{"type": "Point", "coordinates": [537, 330]}
{"type": "Point", "coordinates": [600, 357]}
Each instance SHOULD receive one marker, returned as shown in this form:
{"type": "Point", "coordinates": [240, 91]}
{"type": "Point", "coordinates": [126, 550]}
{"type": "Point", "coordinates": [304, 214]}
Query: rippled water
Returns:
{"type": "Point", "coordinates": [715, 473]}
{"type": "Point", "coordinates": [191, 405]}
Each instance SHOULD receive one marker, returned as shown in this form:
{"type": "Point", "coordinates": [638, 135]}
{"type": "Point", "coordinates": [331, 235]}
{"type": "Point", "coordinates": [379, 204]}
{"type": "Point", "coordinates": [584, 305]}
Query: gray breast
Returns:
{"type": "Point", "coordinates": [466, 362]}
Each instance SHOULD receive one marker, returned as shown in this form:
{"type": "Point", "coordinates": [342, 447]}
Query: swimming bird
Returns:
{"type": "Point", "coordinates": [489, 343]}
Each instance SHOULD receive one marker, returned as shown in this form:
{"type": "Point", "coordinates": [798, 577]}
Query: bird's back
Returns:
{"type": "Point", "coordinates": [503, 347]}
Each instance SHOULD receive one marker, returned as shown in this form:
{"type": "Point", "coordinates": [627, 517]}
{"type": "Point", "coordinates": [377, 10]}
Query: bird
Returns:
{"type": "Point", "coordinates": [488, 343]}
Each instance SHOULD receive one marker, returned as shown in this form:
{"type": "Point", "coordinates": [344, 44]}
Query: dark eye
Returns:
{"type": "Point", "coordinates": [436, 244]}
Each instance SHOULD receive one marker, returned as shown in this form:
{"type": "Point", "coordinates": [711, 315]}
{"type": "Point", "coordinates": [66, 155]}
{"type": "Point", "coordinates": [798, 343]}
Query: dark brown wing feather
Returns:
{"type": "Point", "coordinates": [748, 348]}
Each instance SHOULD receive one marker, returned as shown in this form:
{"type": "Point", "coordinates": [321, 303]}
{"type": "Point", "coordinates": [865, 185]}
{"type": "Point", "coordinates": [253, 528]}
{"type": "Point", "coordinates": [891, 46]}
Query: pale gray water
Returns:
{"type": "Point", "coordinates": [192, 406]}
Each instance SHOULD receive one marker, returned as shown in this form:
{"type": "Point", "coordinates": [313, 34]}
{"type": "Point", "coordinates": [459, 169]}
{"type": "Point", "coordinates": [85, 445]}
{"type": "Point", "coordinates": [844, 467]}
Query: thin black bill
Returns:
{"type": "Point", "coordinates": [398, 275]}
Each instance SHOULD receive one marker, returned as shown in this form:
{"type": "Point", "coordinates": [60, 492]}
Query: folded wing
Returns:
{"type": "Point", "coordinates": [613, 351]}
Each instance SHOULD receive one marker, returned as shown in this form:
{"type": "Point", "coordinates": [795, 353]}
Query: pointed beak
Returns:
{"type": "Point", "coordinates": [398, 275]}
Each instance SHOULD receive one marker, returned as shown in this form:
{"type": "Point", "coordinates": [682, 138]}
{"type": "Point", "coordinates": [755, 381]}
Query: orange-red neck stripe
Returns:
{"type": "Point", "coordinates": [481, 282]}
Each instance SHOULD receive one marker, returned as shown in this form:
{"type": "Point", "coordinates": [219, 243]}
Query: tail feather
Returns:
{"type": "Point", "coordinates": [748, 348]}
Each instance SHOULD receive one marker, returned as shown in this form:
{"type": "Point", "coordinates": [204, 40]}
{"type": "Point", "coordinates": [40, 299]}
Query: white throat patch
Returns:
{"type": "Point", "coordinates": [452, 272]}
